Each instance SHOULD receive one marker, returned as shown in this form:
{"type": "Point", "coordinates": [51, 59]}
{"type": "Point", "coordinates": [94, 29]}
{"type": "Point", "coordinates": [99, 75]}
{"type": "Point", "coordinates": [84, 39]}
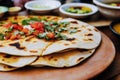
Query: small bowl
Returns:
{"type": "Point", "coordinates": [108, 11]}
{"type": "Point", "coordinates": [112, 25]}
{"type": "Point", "coordinates": [42, 6]}
{"type": "Point", "coordinates": [63, 11]}
{"type": "Point", "coordinates": [14, 10]}
{"type": "Point", "coordinates": [3, 10]}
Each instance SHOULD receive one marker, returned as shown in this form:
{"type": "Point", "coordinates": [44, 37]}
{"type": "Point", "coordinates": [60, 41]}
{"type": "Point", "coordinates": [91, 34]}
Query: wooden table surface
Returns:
{"type": "Point", "coordinates": [113, 71]}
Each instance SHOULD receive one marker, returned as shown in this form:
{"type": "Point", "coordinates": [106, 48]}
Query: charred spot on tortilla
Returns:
{"type": "Point", "coordinates": [95, 29]}
{"type": "Point", "coordinates": [82, 50]}
{"type": "Point", "coordinates": [33, 51]}
{"type": "Point", "coordinates": [3, 59]}
{"type": "Point", "coordinates": [7, 56]}
{"type": "Point", "coordinates": [90, 51]}
{"type": "Point", "coordinates": [17, 45]}
{"type": "Point", "coordinates": [88, 39]}
{"type": "Point", "coordinates": [1, 46]}
{"type": "Point", "coordinates": [9, 67]}
{"type": "Point", "coordinates": [74, 22]}
{"type": "Point", "coordinates": [70, 39]}
{"type": "Point", "coordinates": [89, 29]}
{"type": "Point", "coordinates": [55, 59]}
{"type": "Point", "coordinates": [71, 27]}
{"type": "Point", "coordinates": [5, 66]}
{"type": "Point", "coordinates": [66, 44]}
{"type": "Point", "coordinates": [80, 59]}
{"type": "Point", "coordinates": [51, 57]}
{"type": "Point", "coordinates": [79, 30]}
{"type": "Point", "coordinates": [89, 34]}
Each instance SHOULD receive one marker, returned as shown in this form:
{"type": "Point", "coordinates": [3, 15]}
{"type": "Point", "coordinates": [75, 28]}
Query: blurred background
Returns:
{"type": "Point", "coordinates": [10, 3]}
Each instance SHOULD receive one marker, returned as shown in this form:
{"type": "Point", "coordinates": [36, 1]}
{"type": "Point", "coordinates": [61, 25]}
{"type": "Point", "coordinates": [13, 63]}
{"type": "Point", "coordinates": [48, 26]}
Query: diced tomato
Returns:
{"type": "Point", "coordinates": [15, 26]}
{"type": "Point", "coordinates": [7, 37]}
{"type": "Point", "coordinates": [8, 25]}
{"type": "Point", "coordinates": [18, 27]}
{"type": "Point", "coordinates": [13, 37]}
{"type": "Point", "coordinates": [25, 30]}
{"type": "Point", "coordinates": [18, 36]}
{"type": "Point", "coordinates": [38, 26]}
{"type": "Point", "coordinates": [36, 32]}
{"type": "Point", "coordinates": [50, 35]}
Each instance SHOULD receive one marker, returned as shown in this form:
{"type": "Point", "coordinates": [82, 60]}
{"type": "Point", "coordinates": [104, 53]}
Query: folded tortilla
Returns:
{"type": "Point", "coordinates": [4, 67]}
{"type": "Point", "coordinates": [86, 37]}
{"type": "Point", "coordinates": [16, 61]}
{"type": "Point", "coordinates": [66, 59]}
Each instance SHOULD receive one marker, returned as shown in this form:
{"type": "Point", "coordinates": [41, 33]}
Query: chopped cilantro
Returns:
{"type": "Point", "coordinates": [41, 36]}
{"type": "Point", "coordinates": [60, 36]}
{"type": "Point", "coordinates": [49, 28]}
{"type": "Point", "coordinates": [35, 19]}
{"type": "Point", "coordinates": [10, 28]}
{"type": "Point", "coordinates": [62, 29]}
{"type": "Point", "coordinates": [28, 21]}
{"type": "Point", "coordinates": [1, 36]}
{"type": "Point", "coordinates": [25, 22]}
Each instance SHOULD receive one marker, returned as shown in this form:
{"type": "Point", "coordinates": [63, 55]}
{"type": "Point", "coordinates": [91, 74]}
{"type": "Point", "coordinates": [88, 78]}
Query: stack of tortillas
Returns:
{"type": "Point", "coordinates": [39, 52]}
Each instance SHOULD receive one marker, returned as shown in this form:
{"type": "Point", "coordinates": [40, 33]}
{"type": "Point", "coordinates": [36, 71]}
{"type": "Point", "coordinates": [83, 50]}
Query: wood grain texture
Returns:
{"type": "Point", "coordinates": [91, 67]}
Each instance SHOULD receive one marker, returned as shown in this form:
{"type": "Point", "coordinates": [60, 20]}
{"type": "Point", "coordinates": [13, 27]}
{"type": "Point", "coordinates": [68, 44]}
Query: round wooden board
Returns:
{"type": "Point", "coordinates": [91, 67]}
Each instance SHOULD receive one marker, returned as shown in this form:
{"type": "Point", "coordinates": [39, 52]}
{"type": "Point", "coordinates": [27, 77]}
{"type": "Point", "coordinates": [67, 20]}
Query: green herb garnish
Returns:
{"type": "Point", "coordinates": [41, 36]}
{"type": "Point", "coordinates": [49, 28]}
{"type": "Point", "coordinates": [1, 36]}
{"type": "Point", "coordinates": [25, 22]}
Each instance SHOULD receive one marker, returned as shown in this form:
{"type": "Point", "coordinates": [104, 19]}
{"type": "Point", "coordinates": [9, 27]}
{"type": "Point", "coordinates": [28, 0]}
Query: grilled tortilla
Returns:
{"type": "Point", "coordinates": [16, 61]}
{"type": "Point", "coordinates": [86, 37]}
{"type": "Point", "coordinates": [66, 59]}
{"type": "Point", "coordinates": [4, 67]}
{"type": "Point", "coordinates": [62, 36]}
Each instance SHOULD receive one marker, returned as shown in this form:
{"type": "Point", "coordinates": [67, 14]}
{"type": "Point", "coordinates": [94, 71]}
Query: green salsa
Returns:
{"type": "Point", "coordinates": [79, 10]}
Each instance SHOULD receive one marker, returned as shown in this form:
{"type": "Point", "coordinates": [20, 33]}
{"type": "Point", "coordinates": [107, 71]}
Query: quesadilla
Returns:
{"type": "Point", "coordinates": [41, 36]}
{"type": "Point", "coordinates": [84, 36]}
{"type": "Point", "coordinates": [66, 59]}
{"type": "Point", "coordinates": [16, 61]}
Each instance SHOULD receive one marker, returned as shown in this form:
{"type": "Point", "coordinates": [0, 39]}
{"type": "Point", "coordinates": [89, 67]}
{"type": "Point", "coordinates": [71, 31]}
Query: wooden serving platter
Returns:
{"type": "Point", "coordinates": [89, 68]}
